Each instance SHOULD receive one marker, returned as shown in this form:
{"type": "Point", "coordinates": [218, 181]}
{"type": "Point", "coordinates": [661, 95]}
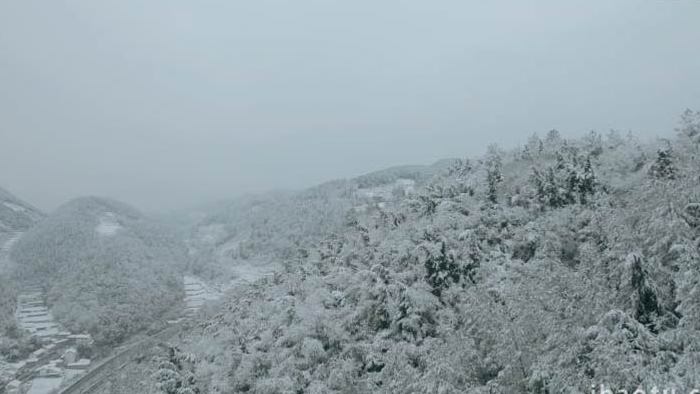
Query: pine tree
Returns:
{"type": "Point", "coordinates": [690, 125]}
{"type": "Point", "coordinates": [553, 138]}
{"type": "Point", "coordinates": [552, 190]}
{"type": "Point", "coordinates": [664, 167]}
{"type": "Point", "coordinates": [566, 182]}
{"type": "Point", "coordinates": [175, 375]}
{"type": "Point", "coordinates": [587, 183]}
{"type": "Point", "coordinates": [537, 180]}
{"type": "Point", "coordinates": [494, 173]}
{"type": "Point", "coordinates": [573, 186]}
{"type": "Point", "coordinates": [646, 305]}
{"type": "Point", "coordinates": [441, 268]}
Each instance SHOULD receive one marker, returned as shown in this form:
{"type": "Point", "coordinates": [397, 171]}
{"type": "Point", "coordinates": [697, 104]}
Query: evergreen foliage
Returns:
{"type": "Point", "coordinates": [663, 167]}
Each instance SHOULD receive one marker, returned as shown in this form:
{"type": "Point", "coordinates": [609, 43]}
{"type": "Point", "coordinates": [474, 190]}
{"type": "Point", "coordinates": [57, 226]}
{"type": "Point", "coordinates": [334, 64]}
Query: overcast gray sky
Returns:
{"type": "Point", "coordinates": [164, 104]}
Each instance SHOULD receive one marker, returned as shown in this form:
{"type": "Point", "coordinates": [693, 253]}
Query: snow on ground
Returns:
{"type": "Point", "coordinates": [7, 371]}
{"type": "Point", "coordinates": [248, 273]}
{"type": "Point", "coordinates": [33, 315]}
{"type": "Point", "coordinates": [108, 225]}
{"type": "Point", "coordinates": [385, 192]}
{"type": "Point", "coordinates": [14, 207]}
{"type": "Point", "coordinates": [45, 385]}
{"type": "Point", "coordinates": [70, 374]}
{"type": "Point", "coordinates": [7, 245]}
{"type": "Point", "coordinates": [197, 293]}
{"type": "Point", "coordinates": [211, 233]}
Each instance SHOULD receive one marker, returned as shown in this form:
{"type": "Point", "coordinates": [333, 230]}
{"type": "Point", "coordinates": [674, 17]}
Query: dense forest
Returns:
{"type": "Point", "coordinates": [257, 227]}
{"type": "Point", "coordinates": [15, 214]}
{"type": "Point", "coordinates": [16, 217]}
{"type": "Point", "coordinates": [107, 269]}
{"type": "Point", "coordinates": [350, 197]}
{"type": "Point", "coordinates": [556, 267]}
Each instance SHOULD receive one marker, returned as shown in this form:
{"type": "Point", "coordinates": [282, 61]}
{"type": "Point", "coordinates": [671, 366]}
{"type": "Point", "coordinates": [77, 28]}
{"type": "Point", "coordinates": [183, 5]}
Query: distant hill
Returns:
{"type": "Point", "coordinates": [556, 267]}
{"type": "Point", "coordinates": [16, 217]}
{"type": "Point", "coordinates": [417, 173]}
{"type": "Point", "coordinates": [107, 268]}
{"type": "Point", "coordinates": [15, 214]}
{"type": "Point", "coordinates": [282, 226]}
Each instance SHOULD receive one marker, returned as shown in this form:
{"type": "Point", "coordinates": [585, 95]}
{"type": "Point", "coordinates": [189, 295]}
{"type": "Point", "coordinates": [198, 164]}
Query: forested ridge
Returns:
{"type": "Point", "coordinates": [15, 214]}
{"type": "Point", "coordinates": [16, 217]}
{"type": "Point", "coordinates": [283, 225]}
{"type": "Point", "coordinates": [107, 269]}
{"type": "Point", "coordinates": [555, 267]}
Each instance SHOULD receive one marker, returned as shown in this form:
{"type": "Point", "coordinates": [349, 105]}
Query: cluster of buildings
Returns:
{"type": "Point", "coordinates": [55, 361]}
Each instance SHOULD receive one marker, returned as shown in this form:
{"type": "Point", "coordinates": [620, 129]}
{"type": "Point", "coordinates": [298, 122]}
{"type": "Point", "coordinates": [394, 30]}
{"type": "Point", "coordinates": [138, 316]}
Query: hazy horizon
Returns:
{"type": "Point", "coordinates": [166, 105]}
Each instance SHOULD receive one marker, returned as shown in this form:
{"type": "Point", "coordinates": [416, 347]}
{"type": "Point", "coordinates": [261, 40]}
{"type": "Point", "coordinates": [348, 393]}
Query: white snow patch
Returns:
{"type": "Point", "coordinates": [69, 374]}
{"type": "Point", "coordinates": [210, 234]}
{"type": "Point", "coordinates": [385, 192]}
{"type": "Point", "coordinates": [33, 315]}
{"type": "Point", "coordinates": [14, 207]}
{"type": "Point", "coordinates": [108, 225]}
{"type": "Point", "coordinates": [197, 293]}
{"type": "Point", "coordinates": [81, 364]}
{"type": "Point", "coordinates": [10, 242]}
{"type": "Point", "coordinates": [248, 273]}
{"type": "Point", "coordinates": [44, 385]}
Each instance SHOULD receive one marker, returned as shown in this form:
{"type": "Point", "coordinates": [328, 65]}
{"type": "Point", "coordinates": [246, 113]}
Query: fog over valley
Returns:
{"type": "Point", "coordinates": [170, 104]}
{"type": "Point", "coordinates": [363, 197]}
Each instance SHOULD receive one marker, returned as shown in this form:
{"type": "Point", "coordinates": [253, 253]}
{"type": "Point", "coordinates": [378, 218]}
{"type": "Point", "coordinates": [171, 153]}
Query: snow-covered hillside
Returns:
{"type": "Point", "coordinates": [278, 226]}
{"type": "Point", "coordinates": [553, 268]}
{"type": "Point", "coordinates": [108, 268]}
{"type": "Point", "coordinates": [15, 214]}
{"type": "Point", "coordinates": [108, 224]}
{"type": "Point", "coordinates": [16, 217]}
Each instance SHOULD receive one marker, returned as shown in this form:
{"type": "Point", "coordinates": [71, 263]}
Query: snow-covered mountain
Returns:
{"type": "Point", "coordinates": [104, 264]}
{"type": "Point", "coordinates": [281, 226]}
{"type": "Point", "coordinates": [558, 267]}
{"type": "Point", "coordinates": [16, 217]}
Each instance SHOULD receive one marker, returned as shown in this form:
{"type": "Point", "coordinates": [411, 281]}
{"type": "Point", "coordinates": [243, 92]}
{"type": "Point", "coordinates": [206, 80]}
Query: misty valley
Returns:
{"type": "Point", "coordinates": [349, 197]}
{"type": "Point", "coordinates": [563, 265]}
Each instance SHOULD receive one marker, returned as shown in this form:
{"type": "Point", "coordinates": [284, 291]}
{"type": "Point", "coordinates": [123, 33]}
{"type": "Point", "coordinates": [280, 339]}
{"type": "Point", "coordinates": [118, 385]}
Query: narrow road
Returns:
{"type": "Point", "coordinates": [94, 378]}
{"type": "Point", "coordinates": [197, 294]}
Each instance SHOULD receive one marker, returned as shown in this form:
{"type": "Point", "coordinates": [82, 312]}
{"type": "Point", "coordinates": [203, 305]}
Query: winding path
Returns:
{"type": "Point", "coordinates": [196, 295]}
{"type": "Point", "coordinates": [94, 378]}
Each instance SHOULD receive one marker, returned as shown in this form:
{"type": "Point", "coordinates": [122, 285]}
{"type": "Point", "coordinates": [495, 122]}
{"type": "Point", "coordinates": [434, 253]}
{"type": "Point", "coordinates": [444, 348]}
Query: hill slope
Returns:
{"type": "Point", "coordinates": [561, 266]}
{"type": "Point", "coordinates": [15, 214]}
{"type": "Point", "coordinates": [284, 226]}
{"type": "Point", "coordinates": [16, 217]}
{"type": "Point", "coordinates": [107, 268]}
